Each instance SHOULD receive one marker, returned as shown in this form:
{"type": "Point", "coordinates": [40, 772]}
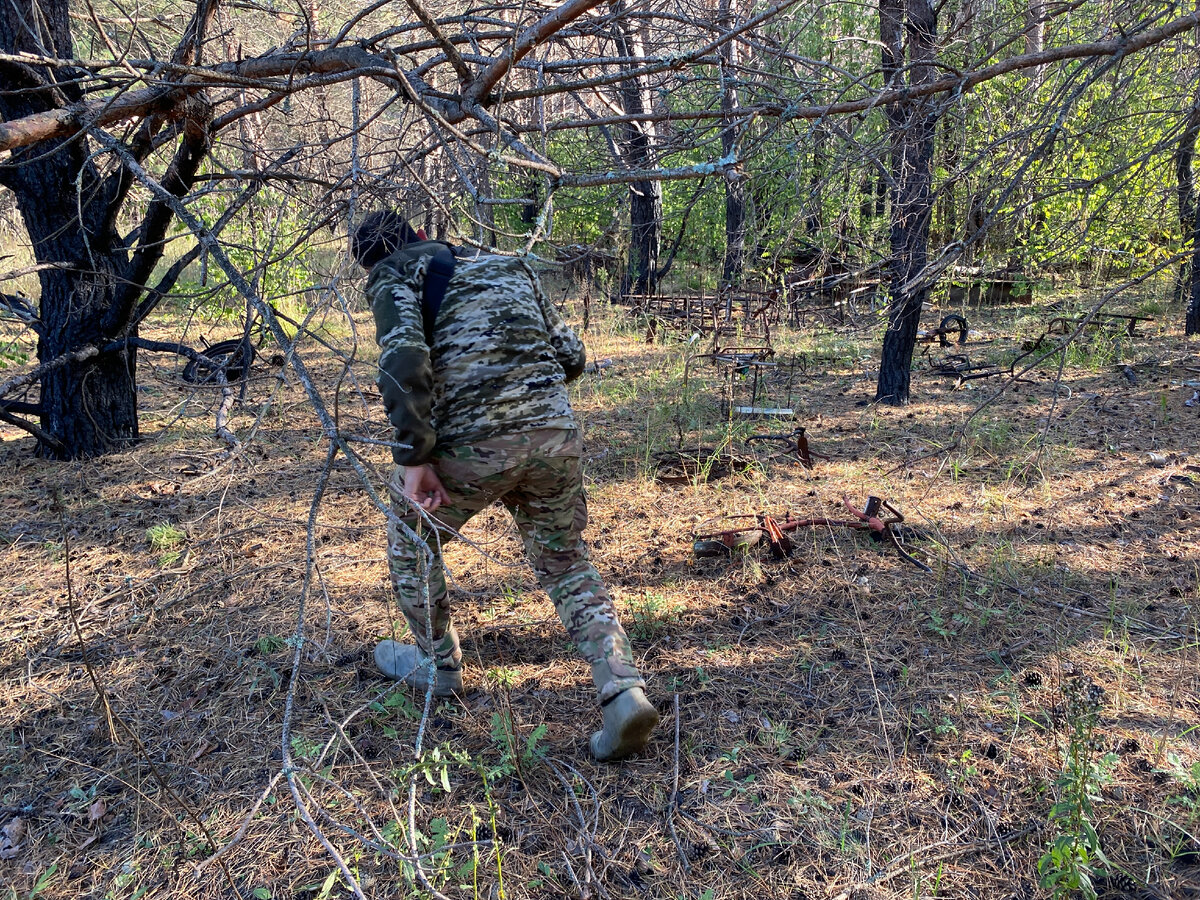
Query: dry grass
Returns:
{"type": "Point", "coordinates": [848, 725]}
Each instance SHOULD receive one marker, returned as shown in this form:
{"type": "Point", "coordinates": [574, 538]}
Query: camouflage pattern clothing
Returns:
{"type": "Point", "coordinates": [499, 362]}
{"type": "Point", "coordinates": [487, 407]}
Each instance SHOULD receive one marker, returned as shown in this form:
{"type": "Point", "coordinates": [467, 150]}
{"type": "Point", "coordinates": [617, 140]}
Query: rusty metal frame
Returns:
{"type": "Point", "coordinates": [1114, 322]}
{"type": "Point", "coordinates": [869, 519]}
{"type": "Point", "coordinates": [959, 365]}
{"type": "Point", "coordinates": [951, 324]}
{"type": "Point", "coordinates": [795, 442]}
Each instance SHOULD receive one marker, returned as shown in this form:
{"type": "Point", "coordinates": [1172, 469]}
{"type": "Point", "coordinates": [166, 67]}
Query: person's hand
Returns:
{"type": "Point", "coordinates": [423, 487]}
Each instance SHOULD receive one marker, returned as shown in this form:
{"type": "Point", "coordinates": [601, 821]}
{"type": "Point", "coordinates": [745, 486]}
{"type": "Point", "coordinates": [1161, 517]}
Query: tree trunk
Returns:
{"type": "Point", "coordinates": [1185, 195]}
{"type": "Point", "coordinates": [645, 197]}
{"type": "Point", "coordinates": [645, 235]}
{"type": "Point", "coordinates": [815, 215]}
{"type": "Point", "coordinates": [735, 191]}
{"type": "Point", "coordinates": [90, 407]}
{"type": "Point", "coordinates": [1192, 322]}
{"type": "Point", "coordinates": [91, 285]}
{"type": "Point", "coordinates": [1035, 27]}
{"type": "Point", "coordinates": [87, 408]}
{"type": "Point", "coordinates": [911, 125]}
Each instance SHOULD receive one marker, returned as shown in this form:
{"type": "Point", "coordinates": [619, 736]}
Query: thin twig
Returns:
{"type": "Point", "coordinates": [289, 767]}
{"type": "Point", "coordinates": [673, 805]}
{"type": "Point", "coordinates": [245, 826]}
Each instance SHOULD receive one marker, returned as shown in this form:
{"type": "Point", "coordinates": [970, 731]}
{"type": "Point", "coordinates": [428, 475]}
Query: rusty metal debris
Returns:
{"type": "Point", "coordinates": [951, 324]}
{"type": "Point", "coordinates": [960, 367]}
{"type": "Point", "coordinates": [808, 282]}
{"type": "Point", "coordinates": [794, 442]}
{"type": "Point", "coordinates": [727, 313]}
{"type": "Point", "coordinates": [1115, 322]}
{"type": "Point", "coordinates": [775, 531]}
{"type": "Point", "coordinates": [748, 372]}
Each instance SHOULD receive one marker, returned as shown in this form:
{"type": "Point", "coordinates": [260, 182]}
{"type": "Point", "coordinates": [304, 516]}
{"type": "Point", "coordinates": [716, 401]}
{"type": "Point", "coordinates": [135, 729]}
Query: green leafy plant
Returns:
{"type": "Point", "coordinates": [963, 769]}
{"type": "Point", "coordinates": [438, 841]}
{"type": "Point", "coordinates": [305, 748]}
{"type": "Point", "coordinates": [40, 885]}
{"type": "Point", "coordinates": [1070, 860]}
{"type": "Point", "coordinates": [1183, 806]}
{"type": "Point", "coordinates": [517, 752]}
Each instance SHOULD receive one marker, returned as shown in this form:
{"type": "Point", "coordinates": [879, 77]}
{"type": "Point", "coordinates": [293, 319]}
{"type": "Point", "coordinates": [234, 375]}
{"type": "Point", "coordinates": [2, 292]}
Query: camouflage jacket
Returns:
{"type": "Point", "coordinates": [499, 361]}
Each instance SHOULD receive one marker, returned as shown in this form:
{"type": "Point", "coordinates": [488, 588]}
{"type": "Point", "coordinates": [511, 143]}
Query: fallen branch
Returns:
{"type": "Point", "coordinates": [19, 381]}
{"type": "Point", "coordinates": [36, 430]}
{"type": "Point", "coordinates": [673, 804]}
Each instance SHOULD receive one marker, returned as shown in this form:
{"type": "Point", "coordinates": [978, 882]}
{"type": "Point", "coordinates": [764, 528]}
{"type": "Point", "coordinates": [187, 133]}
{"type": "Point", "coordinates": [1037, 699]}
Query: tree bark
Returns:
{"type": "Point", "coordinates": [1185, 195]}
{"type": "Point", "coordinates": [735, 191]}
{"type": "Point", "coordinates": [645, 197]}
{"type": "Point", "coordinates": [88, 407]}
{"type": "Point", "coordinates": [1192, 321]}
{"type": "Point", "coordinates": [912, 127]}
{"type": "Point", "coordinates": [90, 285]}
{"type": "Point", "coordinates": [814, 219]}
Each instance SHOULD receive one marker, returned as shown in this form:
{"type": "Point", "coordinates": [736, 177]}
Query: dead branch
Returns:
{"type": "Point", "coordinates": [353, 62]}
{"type": "Point", "coordinates": [35, 374]}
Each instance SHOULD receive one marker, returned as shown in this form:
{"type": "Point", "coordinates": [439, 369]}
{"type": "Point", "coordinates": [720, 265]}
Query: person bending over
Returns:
{"type": "Point", "coordinates": [473, 369]}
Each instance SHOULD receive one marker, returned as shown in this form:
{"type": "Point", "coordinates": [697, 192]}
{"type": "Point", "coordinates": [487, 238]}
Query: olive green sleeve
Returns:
{"type": "Point", "coordinates": [406, 384]}
{"type": "Point", "coordinates": [568, 348]}
{"type": "Point", "coordinates": [405, 373]}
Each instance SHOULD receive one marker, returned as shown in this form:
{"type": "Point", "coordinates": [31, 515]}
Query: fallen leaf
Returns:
{"type": "Point", "coordinates": [97, 810]}
{"type": "Point", "coordinates": [10, 838]}
{"type": "Point", "coordinates": [14, 830]}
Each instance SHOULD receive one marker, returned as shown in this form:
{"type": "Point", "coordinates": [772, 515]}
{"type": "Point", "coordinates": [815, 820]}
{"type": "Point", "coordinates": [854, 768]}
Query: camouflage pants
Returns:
{"type": "Point", "coordinates": [537, 476]}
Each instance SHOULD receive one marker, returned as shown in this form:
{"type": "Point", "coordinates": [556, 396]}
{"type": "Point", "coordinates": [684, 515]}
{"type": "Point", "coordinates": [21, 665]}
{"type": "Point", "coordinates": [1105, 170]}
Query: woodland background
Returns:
{"type": "Point", "coordinates": [195, 550]}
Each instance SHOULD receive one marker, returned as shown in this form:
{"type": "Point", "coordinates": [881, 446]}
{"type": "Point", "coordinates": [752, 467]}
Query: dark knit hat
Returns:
{"type": "Point", "coordinates": [380, 235]}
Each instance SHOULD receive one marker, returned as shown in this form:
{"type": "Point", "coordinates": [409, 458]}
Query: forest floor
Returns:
{"type": "Point", "coordinates": [838, 723]}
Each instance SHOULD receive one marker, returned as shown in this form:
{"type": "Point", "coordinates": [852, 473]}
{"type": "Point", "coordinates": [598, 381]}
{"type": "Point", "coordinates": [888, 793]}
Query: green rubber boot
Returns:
{"type": "Point", "coordinates": [628, 720]}
{"type": "Point", "coordinates": [406, 663]}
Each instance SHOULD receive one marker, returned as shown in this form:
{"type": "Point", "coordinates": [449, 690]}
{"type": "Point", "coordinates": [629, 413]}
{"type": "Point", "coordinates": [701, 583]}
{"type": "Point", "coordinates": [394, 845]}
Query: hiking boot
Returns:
{"type": "Point", "coordinates": [628, 720]}
{"type": "Point", "coordinates": [406, 663]}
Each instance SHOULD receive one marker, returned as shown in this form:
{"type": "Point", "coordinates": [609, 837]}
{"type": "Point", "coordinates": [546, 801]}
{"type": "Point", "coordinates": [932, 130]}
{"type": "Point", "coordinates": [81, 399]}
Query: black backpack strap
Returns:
{"type": "Point", "coordinates": [437, 277]}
